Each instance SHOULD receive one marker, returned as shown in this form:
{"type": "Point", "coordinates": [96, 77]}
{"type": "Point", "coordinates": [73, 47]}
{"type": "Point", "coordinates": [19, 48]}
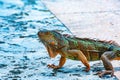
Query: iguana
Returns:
{"type": "Point", "coordinates": [82, 49]}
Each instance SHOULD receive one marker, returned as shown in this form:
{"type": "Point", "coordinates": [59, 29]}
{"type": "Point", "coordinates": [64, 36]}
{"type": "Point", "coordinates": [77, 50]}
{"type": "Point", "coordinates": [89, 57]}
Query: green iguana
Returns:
{"type": "Point", "coordinates": [82, 49]}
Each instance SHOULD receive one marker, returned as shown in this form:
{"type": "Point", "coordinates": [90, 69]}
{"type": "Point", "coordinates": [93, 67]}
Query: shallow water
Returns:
{"type": "Point", "coordinates": [22, 56]}
{"type": "Point", "coordinates": [20, 20]}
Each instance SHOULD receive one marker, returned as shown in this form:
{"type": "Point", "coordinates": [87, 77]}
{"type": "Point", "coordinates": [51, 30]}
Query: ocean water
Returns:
{"type": "Point", "coordinates": [20, 20]}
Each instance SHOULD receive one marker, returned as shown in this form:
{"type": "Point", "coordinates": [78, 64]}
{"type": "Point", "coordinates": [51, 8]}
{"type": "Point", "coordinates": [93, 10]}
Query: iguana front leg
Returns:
{"type": "Point", "coordinates": [106, 57]}
{"type": "Point", "coordinates": [61, 63]}
{"type": "Point", "coordinates": [74, 53]}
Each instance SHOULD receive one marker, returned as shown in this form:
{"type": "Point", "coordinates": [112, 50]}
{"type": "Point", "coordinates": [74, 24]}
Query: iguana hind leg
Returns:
{"type": "Point", "coordinates": [106, 57]}
{"type": "Point", "coordinates": [80, 56]}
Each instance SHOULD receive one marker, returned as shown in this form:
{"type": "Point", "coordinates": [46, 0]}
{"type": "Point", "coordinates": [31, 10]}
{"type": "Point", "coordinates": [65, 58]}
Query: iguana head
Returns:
{"type": "Point", "coordinates": [47, 37]}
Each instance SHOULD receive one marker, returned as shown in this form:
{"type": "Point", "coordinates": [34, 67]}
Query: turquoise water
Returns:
{"type": "Point", "coordinates": [20, 20]}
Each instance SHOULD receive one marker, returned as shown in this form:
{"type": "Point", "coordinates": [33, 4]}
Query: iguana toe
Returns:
{"type": "Point", "coordinates": [101, 74]}
{"type": "Point", "coordinates": [52, 66]}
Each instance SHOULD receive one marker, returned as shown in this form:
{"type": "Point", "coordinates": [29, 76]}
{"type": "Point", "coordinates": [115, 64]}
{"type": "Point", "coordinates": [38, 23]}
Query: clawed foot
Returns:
{"type": "Point", "coordinates": [102, 73]}
{"type": "Point", "coordinates": [53, 66]}
{"type": "Point", "coordinates": [86, 70]}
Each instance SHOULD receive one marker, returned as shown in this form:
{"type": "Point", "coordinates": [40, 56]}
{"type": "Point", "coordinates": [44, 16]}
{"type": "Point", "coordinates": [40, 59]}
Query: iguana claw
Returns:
{"type": "Point", "coordinates": [102, 73]}
{"type": "Point", "coordinates": [52, 66]}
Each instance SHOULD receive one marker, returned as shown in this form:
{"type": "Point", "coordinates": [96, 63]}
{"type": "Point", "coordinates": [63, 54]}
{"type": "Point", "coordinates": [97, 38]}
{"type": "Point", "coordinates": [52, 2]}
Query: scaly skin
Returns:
{"type": "Point", "coordinates": [82, 49]}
